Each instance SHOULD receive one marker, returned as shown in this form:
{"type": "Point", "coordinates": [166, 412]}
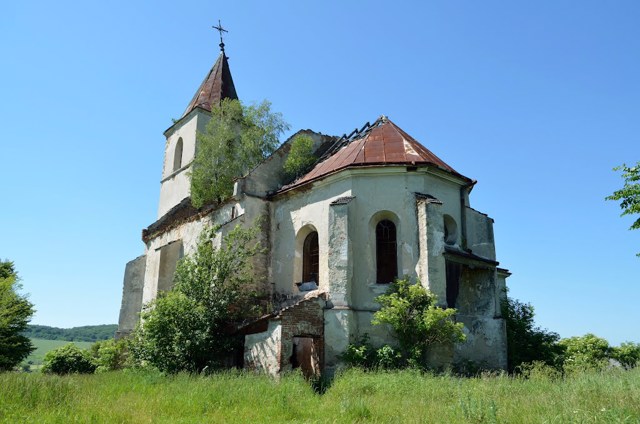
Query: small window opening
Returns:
{"type": "Point", "coordinates": [177, 156]}
{"type": "Point", "coordinates": [386, 252]}
{"type": "Point", "coordinates": [450, 230]}
{"type": "Point", "coordinates": [234, 212]}
{"type": "Point", "coordinates": [453, 271]}
{"type": "Point", "coordinates": [310, 258]}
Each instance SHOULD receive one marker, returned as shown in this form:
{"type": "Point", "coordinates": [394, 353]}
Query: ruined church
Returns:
{"type": "Point", "coordinates": [376, 205]}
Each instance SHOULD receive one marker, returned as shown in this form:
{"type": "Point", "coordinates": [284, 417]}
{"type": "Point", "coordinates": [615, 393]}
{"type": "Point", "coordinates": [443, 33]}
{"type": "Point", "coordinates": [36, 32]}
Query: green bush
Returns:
{"type": "Point", "coordinates": [190, 327]}
{"type": "Point", "coordinates": [362, 354]}
{"type": "Point", "coordinates": [68, 359]}
{"type": "Point", "coordinates": [583, 353]}
{"type": "Point", "coordinates": [300, 157]}
{"type": "Point", "coordinates": [417, 322]}
{"type": "Point", "coordinates": [527, 343]}
{"type": "Point", "coordinates": [111, 355]}
{"type": "Point", "coordinates": [628, 354]}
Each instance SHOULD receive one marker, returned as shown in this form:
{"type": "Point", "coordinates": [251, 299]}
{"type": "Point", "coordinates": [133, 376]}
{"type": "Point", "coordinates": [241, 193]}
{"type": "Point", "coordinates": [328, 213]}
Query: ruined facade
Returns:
{"type": "Point", "coordinates": [376, 205]}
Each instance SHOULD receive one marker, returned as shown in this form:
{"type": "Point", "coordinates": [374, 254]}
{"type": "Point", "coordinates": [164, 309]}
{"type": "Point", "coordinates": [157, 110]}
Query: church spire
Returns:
{"type": "Point", "coordinates": [217, 85]}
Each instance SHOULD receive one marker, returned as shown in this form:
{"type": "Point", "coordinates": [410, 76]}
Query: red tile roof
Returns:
{"type": "Point", "coordinates": [383, 143]}
{"type": "Point", "coordinates": [216, 86]}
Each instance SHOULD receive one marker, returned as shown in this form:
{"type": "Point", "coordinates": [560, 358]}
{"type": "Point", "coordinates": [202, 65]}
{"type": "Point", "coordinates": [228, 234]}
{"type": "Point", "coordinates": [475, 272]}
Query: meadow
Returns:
{"type": "Point", "coordinates": [354, 396]}
{"type": "Point", "coordinates": [43, 346]}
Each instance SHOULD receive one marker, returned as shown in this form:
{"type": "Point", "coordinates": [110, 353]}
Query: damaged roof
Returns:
{"type": "Point", "coordinates": [217, 85]}
{"type": "Point", "coordinates": [380, 143]}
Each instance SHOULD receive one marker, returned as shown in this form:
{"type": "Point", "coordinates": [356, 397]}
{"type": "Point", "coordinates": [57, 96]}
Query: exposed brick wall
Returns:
{"type": "Point", "coordinates": [304, 319]}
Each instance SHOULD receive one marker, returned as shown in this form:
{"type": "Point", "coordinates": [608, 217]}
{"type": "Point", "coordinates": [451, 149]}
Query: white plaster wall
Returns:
{"type": "Point", "coordinates": [175, 186]}
{"type": "Point", "coordinates": [289, 215]}
{"type": "Point", "coordinates": [189, 233]}
{"type": "Point", "coordinates": [380, 193]}
{"type": "Point", "coordinates": [262, 350]}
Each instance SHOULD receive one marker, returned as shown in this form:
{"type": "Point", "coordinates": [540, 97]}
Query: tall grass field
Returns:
{"type": "Point", "coordinates": [354, 396]}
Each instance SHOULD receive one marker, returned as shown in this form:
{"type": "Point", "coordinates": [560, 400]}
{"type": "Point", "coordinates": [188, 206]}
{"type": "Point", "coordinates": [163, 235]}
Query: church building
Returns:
{"type": "Point", "coordinates": [376, 205]}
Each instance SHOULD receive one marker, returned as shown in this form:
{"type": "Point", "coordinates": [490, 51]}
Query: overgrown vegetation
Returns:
{"type": "Point", "coordinates": [355, 396]}
{"type": "Point", "coordinates": [417, 324]}
{"type": "Point", "coordinates": [237, 138]}
{"type": "Point", "coordinates": [190, 327]}
{"type": "Point", "coordinates": [15, 313]}
{"type": "Point", "coordinates": [629, 194]}
{"type": "Point", "coordinates": [300, 157]}
{"type": "Point", "coordinates": [85, 333]}
{"type": "Point", "coordinates": [527, 342]}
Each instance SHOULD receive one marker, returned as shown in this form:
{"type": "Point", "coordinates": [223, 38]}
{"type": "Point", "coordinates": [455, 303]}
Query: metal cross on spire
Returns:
{"type": "Point", "coordinates": [220, 30]}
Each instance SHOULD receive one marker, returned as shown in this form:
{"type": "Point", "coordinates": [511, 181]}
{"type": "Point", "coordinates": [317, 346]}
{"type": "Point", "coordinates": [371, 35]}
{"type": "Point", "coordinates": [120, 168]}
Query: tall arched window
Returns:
{"type": "Point", "coordinates": [386, 252]}
{"type": "Point", "coordinates": [177, 156]}
{"type": "Point", "coordinates": [310, 258]}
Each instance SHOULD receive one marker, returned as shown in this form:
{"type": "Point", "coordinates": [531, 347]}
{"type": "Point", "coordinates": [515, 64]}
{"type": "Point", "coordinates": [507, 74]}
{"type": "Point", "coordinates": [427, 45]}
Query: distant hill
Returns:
{"type": "Point", "coordinates": [87, 333]}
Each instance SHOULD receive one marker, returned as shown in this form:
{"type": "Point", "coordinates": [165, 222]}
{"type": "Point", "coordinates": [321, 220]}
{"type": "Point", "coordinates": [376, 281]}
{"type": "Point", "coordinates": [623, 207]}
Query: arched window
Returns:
{"type": "Point", "coordinates": [177, 156]}
{"type": "Point", "coordinates": [310, 258]}
{"type": "Point", "coordinates": [386, 252]}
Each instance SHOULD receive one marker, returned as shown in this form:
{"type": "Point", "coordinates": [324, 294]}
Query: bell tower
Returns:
{"type": "Point", "coordinates": [180, 146]}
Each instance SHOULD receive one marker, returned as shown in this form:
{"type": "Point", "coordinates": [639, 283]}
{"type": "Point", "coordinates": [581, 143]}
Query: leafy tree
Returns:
{"type": "Point", "coordinates": [188, 328]}
{"type": "Point", "coordinates": [68, 359]}
{"type": "Point", "coordinates": [585, 353]}
{"type": "Point", "coordinates": [417, 322]}
{"type": "Point", "coordinates": [15, 313]}
{"type": "Point", "coordinates": [300, 157]}
{"type": "Point", "coordinates": [628, 354]}
{"type": "Point", "coordinates": [629, 195]}
{"type": "Point", "coordinates": [527, 343]}
{"type": "Point", "coordinates": [237, 138]}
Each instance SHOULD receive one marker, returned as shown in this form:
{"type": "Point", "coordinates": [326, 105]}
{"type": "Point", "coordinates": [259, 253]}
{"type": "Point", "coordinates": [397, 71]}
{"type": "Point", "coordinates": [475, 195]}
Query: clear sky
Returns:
{"type": "Point", "coordinates": [538, 101]}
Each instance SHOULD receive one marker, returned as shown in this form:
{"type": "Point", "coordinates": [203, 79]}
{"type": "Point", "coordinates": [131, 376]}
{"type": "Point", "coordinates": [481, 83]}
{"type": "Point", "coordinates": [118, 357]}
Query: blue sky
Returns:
{"type": "Point", "coordinates": [538, 101]}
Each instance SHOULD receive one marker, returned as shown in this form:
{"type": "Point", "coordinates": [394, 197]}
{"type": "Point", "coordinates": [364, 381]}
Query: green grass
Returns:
{"type": "Point", "coordinates": [356, 396]}
{"type": "Point", "coordinates": [43, 346]}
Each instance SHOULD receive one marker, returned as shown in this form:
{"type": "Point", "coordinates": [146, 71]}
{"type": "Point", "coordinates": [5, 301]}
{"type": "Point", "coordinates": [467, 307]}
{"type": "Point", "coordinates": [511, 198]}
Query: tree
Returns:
{"type": "Point", "coordinates": [68, 359]}
{"type": "Point", "coordinates": [417, 322]}
{"type": "Point", "coordinates": [15, 313]}
{"type": "Point", "coordinates": [588, 352]}
{"type": "Point", "coordinates": [190, 327]}
{"type": "Point", "coordinates": [300, 157]}
{"type": "Point", "coordinates": [629, 195]}
{"type": "Point", "coordinates": [628, 354]}
{"type": "Point", "coordinates": [237, 138]}
{"type": "Point", "coordinates": [527, 343]}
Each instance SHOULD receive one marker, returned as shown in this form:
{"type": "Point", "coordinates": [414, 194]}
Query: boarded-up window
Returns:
{"type": "Point", "coordinates": [453, 283]}
{"type": "Point", "coordinates": [310, 258]}
{"type": "Point", "coordinates": [386, 252]}
{"type": "Point", "coordinates": [169, 256]}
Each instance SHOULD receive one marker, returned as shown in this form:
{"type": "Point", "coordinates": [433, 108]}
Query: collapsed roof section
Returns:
{"type": "Point", "coordinates": [378, 144]}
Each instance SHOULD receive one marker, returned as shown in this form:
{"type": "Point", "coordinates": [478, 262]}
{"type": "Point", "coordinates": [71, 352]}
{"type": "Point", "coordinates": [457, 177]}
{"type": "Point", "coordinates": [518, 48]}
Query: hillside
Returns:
{"type": "Point", "coordinates": [87, 333]}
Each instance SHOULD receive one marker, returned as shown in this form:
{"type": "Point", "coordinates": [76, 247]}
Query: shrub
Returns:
{"type": "Point", "coordinates": [68, 359]}
{"type": "Point", "coordinates": [582, 353]}
{"type": "Point", "coordinates": [190, 327]}
{"type": "Point", "coordinates": [300, 157]}
{"type": "Point", "coordinates": [417, 322]}
{"type": "Point", "coordinates": [362, 354]}
{"type": "Point", "coordinates": [111, 355]}
{"type": "Point", "coordinates": [628, 354]}
{"type": "Point", "coordinates": [527, 343]}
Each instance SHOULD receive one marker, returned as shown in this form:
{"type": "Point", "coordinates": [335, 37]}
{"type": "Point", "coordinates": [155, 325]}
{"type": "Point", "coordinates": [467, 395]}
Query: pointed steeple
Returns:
{"type": "Point", "coordinates": [217, 85]}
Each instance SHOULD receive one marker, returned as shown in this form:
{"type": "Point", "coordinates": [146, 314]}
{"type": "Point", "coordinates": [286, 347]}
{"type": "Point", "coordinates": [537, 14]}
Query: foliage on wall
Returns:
{"type": "Point", "coordinates": [237, 138]}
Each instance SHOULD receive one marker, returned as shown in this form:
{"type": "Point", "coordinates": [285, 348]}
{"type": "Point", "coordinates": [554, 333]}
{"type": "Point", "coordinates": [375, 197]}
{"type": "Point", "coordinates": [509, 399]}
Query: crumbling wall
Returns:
{"type": "Point", "coordinates": [479, 310]}
{"type": "Point", "coordinates": [131, 296]}
{"type": "Point", "coordinates": [262, 350]}
{"type": "Point", "coordinates": [480, 234]}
